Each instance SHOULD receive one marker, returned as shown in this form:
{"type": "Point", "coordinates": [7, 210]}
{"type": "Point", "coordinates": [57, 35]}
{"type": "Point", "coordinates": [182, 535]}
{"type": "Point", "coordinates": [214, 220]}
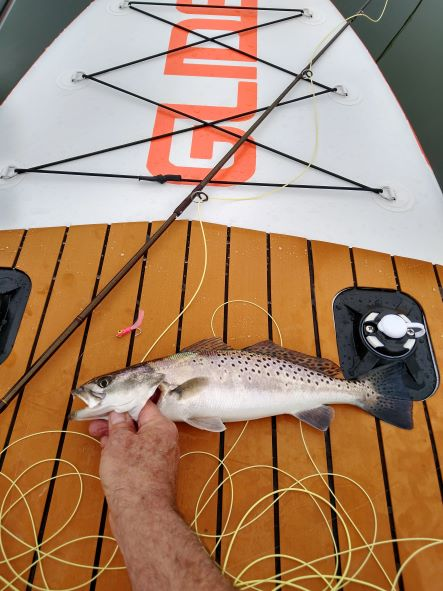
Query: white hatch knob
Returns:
{"type": "Point", "coordinates": [396, 327]}
{"type": "Point", "coordinates": [393, 326]}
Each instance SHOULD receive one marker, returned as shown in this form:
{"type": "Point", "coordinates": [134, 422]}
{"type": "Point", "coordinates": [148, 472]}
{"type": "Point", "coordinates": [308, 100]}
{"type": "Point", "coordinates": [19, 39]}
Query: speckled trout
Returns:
{"type": "Point", "coordinates": [209, 384]}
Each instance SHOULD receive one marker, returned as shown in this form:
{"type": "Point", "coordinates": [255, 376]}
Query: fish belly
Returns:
{"type": "Point", "coordinates": [240, 404]}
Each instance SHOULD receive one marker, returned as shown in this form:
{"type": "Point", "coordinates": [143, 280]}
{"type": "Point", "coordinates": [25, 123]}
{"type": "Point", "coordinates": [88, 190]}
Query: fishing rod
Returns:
{"type": "Point", "coordinates": [196, 195]}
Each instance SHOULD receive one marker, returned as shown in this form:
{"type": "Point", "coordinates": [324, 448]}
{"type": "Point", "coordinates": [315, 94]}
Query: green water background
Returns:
{"type": "Point", "coordinates": [407, 45]}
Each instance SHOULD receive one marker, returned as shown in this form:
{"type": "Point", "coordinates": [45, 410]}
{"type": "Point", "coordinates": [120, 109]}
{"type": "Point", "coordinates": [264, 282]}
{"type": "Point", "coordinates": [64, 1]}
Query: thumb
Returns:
{"type": "Point", "coordinates": [120, 421]}
{"type": "Point", "coordinates": [150, 416]}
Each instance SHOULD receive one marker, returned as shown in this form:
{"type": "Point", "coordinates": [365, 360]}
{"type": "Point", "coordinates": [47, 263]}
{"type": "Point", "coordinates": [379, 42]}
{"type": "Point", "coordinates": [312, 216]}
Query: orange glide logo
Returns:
{"type": "Point", "coordinates": [220, 63]}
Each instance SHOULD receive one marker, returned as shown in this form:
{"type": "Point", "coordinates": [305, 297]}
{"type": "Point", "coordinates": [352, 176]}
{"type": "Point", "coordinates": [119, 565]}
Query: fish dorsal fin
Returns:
{"type": "Point", "coordinates": [319, 417]}
{"type": "Point", "coordinates": [207, 346]}
{"type": "Point", "coordinates": [325, 366]}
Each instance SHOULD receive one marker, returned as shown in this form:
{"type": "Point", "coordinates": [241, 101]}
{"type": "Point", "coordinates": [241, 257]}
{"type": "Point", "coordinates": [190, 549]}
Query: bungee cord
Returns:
{"type": "Point", "coordinates": [202, 123]}
{"type": "Point", "coordinates": [217, 7]}
{"type": "Point", "coordinates": [206, 39]}
{"type": "Point", "coordinates": [311, 163]}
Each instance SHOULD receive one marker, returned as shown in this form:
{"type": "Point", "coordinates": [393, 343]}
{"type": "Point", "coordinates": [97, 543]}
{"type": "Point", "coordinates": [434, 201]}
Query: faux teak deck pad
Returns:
{"type": "Point", "coordinates": [295, 280]}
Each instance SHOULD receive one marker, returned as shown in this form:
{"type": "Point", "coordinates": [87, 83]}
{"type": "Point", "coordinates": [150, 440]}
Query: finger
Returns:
{"type": "Point", "coordinates": [148, 414]}
{"type": "Point", "coordinates": [104, 440]}
{"type": "Point", "coordinates": [120, 421]}
{"type": "Point", "coordinates": [150, 417]}
{"type": "Point", "coordinates": [98, 428]}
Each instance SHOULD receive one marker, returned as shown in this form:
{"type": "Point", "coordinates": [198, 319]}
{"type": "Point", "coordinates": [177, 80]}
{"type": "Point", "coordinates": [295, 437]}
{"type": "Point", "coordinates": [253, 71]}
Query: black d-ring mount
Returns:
{"type": "Point", "coordinates": [200, 197]}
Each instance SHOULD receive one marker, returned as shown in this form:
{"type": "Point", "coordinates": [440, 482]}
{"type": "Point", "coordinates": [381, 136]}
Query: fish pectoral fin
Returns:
{"type": "Point", "coordinates": [213, 424]}
{"type": "Point", "coordinates": [319, 417]}
{"type": "Point", "coordinates": [189, 388]}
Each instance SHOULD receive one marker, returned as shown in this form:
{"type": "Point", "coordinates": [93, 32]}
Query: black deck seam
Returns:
{"type": "Point", "coordinates": [390, 509]}
{"type": "Point", "coordinates": [434, 448]}
{"type": "Point", "coordinates": [428, 415]}
{"type": "Point", "coordinates": [221, 445]}
{"type": "Point", "coordinates": [354, 272]}
{"type": "Point", "coordinates": [138, 300]}
{"type": "Point", "coordinates": [34, 346]}
{"type": "Point", "coordinates": [327, 435]}
{"type": "Point", "coordinates": [384, 468]}
{"type": "Point", "coordinates": [19, 248]}
{"type": "Point", "coordinates": [437, 277]}
{"type": "Point", "coordinates": [104, 513]}
{"type": "Point", "coordinates": [62, 438]}
{"type": "Point", "coordinates": [99, 546]}
{"type": "Point", "coordinates": [226, 294]}
{"type": "Point", "coordinates": [183, 290]}
{"type": "Point", "coordinates": [428, 419]}
{"type": "Point", "coordinates": [275, 479]}
{"type": "Point", "coordinates": [394, 267]}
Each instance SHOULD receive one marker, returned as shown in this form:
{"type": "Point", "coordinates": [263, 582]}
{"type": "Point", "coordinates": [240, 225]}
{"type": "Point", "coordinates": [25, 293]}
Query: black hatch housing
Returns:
{"type": "Point", "coordinates": [356, 311]}
{"type": "Point", "coordinates": [15, 287]}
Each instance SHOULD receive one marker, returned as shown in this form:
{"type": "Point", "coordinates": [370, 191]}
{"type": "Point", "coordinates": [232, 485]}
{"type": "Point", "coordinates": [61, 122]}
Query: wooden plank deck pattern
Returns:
{"type": "Point", "coordinates": [348, 450]}
{"type": "Point", "coordinates": [296, 281]}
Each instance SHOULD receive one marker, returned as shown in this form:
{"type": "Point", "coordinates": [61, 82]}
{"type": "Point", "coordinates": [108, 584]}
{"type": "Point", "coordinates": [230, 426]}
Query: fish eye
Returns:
{"type": "Point", "coordinates": [104, 382]}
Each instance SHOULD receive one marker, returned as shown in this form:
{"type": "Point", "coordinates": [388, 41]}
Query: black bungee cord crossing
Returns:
{"type": "Point", "coordinates": [196, 194]}
{"type": "Point", "coordinates": [200, 123]}
{"type": "Point", "coordinates": [202, 41]}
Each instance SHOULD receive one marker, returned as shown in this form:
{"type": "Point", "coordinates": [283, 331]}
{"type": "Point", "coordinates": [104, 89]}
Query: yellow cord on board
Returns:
{"type": "Point", "coordinates": [205, 265]}
{"type": "Point", "coordinates": [332, 581]}
{"type": "Point", "coordinates": [37, 547]}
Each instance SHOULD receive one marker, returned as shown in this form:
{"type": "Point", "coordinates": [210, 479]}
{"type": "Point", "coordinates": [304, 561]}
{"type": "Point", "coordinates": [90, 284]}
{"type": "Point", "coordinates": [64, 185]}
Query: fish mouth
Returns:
{"type": "Point", "coordinates": [90, 398]}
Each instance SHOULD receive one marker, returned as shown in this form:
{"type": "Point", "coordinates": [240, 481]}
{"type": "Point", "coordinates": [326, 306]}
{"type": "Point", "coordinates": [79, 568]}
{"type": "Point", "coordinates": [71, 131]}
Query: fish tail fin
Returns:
{"type": "Point", "coordinates": [385, 396]}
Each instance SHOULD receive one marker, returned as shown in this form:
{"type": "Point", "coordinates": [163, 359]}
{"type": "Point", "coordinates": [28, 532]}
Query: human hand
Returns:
{"type": "Point", "coordinates": [138, 467]}
{"type": "Point", "coordinates": [138, 471]}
